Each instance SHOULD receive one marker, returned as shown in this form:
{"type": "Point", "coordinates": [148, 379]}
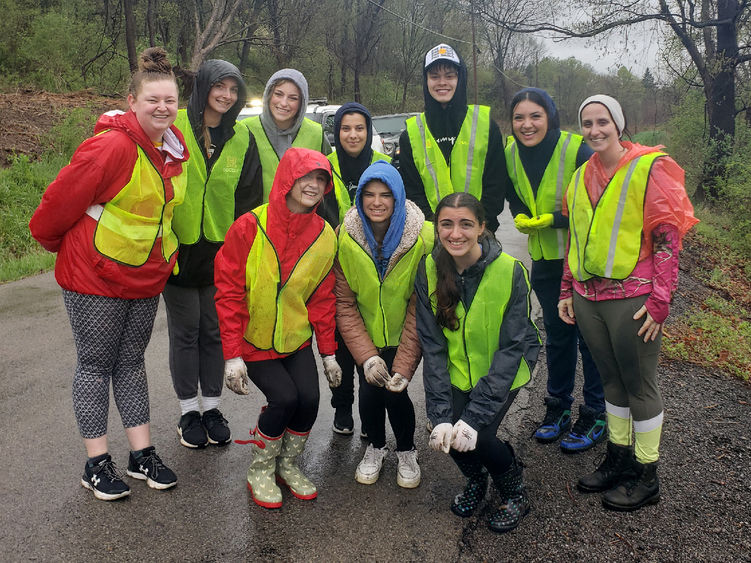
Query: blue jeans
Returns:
{"type": "Point", "coordinates": [561, 341]}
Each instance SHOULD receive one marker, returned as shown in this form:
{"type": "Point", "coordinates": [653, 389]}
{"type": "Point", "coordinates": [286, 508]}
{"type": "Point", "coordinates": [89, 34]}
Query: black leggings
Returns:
{"type": "Point", "coordinates": [290, 385]}
{"type": "Point", "coordinates": [495, 455]}
{"type": "Point", "coordinates": [376, 401]}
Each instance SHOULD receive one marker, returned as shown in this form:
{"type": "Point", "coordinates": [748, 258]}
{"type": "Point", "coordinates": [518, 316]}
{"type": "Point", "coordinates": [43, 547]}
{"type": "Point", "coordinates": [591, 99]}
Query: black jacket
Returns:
{"type": "Point", "coordinates": [518, 341]}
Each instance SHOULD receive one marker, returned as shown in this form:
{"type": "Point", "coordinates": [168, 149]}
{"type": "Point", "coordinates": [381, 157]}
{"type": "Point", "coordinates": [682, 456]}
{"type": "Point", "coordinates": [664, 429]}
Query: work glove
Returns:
{"type": "Point", "coordinates": [332, 371]}
{"type": "Point", "coordinates": [521, 222]}
{"type": "Point", "coordinates": [440, 437]}
{"type": "Point", "coordinates": [236, 376]}
{"type": "Point", "coordinates": [376, 372]}
{"type": "Point", "coordinates": [541, 221]}
{"type": "Point", "coordinates": [463, 437]}
{"type": "Point", "coordinates": [397, 383]}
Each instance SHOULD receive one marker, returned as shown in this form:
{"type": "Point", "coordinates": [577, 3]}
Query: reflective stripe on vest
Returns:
{"type": "Point", "coordinates": [278, 309]}
{"type": "Point", "coordinates": [309, 136]}
{"type": "Point", "coordinates": [130, 223]}
{"type": "Point", "coordinates": [547, 243]}
{"type": "Point", "coordinates": [467, 162]}
{"type": "Point", "coordinates": [383, 303]}
{"type": "Point", "coordinates": [606, 240]}
{"type": "Point", "coordinates": [209, 205]}
{"type": "Point", "coordinates": [472, 346]}
{"type": "Point", "coordinates": [343, 199]}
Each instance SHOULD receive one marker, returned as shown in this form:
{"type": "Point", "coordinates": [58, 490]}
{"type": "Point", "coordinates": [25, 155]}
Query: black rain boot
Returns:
{"type": "Point", "coordinates": [616, 467]}
{"type": "Point", "coordinates": [641, 489]}
{"type": "Point", "coordinates": [514, 500]}
{"type": "Point", "coordinates": [466, 502]}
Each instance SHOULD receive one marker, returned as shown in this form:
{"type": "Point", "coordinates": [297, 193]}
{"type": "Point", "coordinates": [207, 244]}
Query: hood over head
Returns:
{"type": "Point", "coordinates": [535, 159]}
{"type": "Point", "coordinates": [445, 121]}
{"type": "Point", "coordinates": [209, 73]}
{"type": "Point", "coordinates": [296, 163]}
{"type": "Point", "coordinates": [352, 168]}
{"type": "Point", "coordinates": [297, 78]}
{"type": "Point", "coordinates": [386, 173]}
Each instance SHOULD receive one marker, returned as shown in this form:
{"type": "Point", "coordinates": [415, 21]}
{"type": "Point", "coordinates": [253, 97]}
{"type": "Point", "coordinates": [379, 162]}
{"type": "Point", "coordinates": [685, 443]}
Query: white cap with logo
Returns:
{"type": "Point", "coordinates": [441, 52]}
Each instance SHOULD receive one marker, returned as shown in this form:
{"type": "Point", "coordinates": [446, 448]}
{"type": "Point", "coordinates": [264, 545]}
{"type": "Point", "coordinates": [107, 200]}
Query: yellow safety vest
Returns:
{"type": "Point", "coordinates": [547, 243]}
{"type": "Point", "coordinates": [383, 303]}
{"type": "Point", "coordinates": [278, 310]}
{"type": "Point", "coordinates": [130, 223]}
{"type": "Point", "coordinates": [606, 240]}
{"type": "Point", "coordinates": [309, 136]}
{"type": "Point", "coordinates": [467, 162]}
{"type": "Point", "coordinates": [472, 346]}
{"type": "Point", "coordinates": [209, 205]}
{"type": "Point", "coordinates": [343, 200]}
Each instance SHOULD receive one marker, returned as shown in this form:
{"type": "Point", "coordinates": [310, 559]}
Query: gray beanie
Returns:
{"type": "Point", "coordinates": [613, 107]}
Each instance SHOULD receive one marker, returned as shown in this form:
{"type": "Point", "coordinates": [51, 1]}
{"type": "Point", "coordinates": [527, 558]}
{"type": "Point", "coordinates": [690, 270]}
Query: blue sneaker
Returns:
{"type": "Point", "coordinates": [557, 421]}
{"type": "Point", "coordinates": [590, 429]}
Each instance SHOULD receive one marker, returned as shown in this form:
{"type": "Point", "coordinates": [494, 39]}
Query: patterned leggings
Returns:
{"type": "Point", "coordinates": [111, 336]}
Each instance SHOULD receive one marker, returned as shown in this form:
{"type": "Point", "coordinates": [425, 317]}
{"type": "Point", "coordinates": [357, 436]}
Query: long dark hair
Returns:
{"type": "Point", "coordinates": [446, 292]}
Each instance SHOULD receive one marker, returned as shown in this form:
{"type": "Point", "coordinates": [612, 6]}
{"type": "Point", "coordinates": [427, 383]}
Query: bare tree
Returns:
{"type": "Point", "coordinates": [130, 34]}
{"type": "Point", "coordinates": [211, 26]}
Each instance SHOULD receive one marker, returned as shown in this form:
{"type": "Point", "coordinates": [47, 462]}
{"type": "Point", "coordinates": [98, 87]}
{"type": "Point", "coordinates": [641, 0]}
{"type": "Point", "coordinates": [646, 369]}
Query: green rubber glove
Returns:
{"type": "Point", "coordinates": [541, 221]}
{"type": "Point", "coordinates": [521, 222]}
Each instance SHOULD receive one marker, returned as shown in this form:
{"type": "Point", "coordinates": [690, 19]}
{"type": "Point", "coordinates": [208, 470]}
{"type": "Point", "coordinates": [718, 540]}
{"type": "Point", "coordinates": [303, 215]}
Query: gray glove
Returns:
{"type": "Point", "coordinates": [397, 383]}
{"type": "Point", "coordinates": [376, 372]}
{"type": "Point", "coordinates": [332, 371]}
{"type": "Point", "coordinates": [236, 376]}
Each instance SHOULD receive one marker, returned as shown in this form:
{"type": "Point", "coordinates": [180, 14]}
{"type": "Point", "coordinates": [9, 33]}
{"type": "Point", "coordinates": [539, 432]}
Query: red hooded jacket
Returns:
{"type": "Point", "coordinates": [99, 169]}
{"type": "Point", "coordinates": [291, 234]}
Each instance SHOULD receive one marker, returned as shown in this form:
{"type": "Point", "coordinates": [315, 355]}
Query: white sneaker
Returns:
{"type": "Point", "coordinates": [369, 468]}
{"type": "Point", "coordinates": [407, 470]}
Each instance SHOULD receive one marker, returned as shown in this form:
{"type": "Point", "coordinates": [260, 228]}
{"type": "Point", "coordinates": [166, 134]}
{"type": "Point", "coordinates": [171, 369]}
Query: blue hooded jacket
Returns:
{"type": "Point", "coordinates": [383, 171]}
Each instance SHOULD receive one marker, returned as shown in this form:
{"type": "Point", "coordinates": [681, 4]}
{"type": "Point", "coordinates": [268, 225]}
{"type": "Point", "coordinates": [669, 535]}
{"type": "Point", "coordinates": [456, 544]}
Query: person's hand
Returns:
{"type": "Point", "coordinates": [236, 376]}
{"type": "Point", "coordinates": [463, 437]}
{"type": "Point", "coordinates": [650, 329]}
{"type": "Point", "coordinates": [521, 222]}
{"type": "Point", "coordinates": [376, 371]}
{"type": "Point", "coordinates": [397, 383]}
{"type": "Point", "coordinates": [332, 371]}
{"type": "Point", "coordinates": [566, 311]}
{"type": "Point", "coordinates": [541, 221]}
{"type": "Point", "coordinates": [440, 437]}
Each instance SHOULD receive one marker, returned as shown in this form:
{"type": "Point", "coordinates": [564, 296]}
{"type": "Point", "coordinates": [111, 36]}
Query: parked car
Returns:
{"type": "Point", "coordinates": [390, 127]}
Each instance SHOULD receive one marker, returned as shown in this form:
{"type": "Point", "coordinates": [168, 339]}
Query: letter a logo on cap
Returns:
{"type": "Point", "coordinates": [441, 52]}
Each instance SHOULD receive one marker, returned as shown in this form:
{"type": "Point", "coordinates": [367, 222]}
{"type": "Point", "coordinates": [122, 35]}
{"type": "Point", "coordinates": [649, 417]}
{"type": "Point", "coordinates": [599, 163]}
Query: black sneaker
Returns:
{"type": "Point", "coordinates": [216, 427]}
{"type": "Point", "coordinates": [343, 421]}
{"type": "Point", "coordinates": [101, 476]}
{"type": "Point", "coordinates": [146, 465]}
{"type": "Point", "coordinates": [191, 431]}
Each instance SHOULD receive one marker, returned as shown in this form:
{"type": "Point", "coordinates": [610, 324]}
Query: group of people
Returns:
{"type": "Point", "coordinates": [260, 236]}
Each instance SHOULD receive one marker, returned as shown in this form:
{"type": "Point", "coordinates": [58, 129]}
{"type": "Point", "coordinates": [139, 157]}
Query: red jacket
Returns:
{"type": "Point", "coordinates": [291, 234]}
{"type": "Point", "coordinates": [99, 169]}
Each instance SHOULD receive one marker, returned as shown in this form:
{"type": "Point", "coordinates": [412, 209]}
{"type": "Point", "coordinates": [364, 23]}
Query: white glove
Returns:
{"type": "Point", "coordinates": [440, 437]}
{"type": "Point", "coordinates": [332, 371]}
{"type": "Point", "coordinates": [463, 437]}
{"type": "Point", "coordinates": [397, 383]}
{"type": "Point", "coordinates": [376, 372]}
{"type": "Point", "coordinates": [236, 376]}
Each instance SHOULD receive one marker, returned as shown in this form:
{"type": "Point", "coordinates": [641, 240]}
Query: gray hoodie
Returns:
{"type": "Point", "coordinates": [281, 139]}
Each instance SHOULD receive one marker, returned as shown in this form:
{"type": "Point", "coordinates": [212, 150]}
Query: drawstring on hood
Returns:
{"type": "Point", "coordinates": [352, 168]}
{"type": "Point", "coordinates": [383, 171]}
{"type": "Point", "coordinates": [281, 139]}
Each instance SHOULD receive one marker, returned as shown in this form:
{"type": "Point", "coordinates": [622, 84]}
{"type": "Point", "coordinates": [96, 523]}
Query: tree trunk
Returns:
{"type": "Point", "coordinates": [150, 22]}
{"type": "Point", "coordinates": [130, 35]}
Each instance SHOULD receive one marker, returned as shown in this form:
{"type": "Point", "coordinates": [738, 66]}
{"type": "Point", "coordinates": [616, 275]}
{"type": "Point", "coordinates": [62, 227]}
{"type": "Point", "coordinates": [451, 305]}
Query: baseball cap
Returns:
{"type": "Point", "coordinates": [441, 52]}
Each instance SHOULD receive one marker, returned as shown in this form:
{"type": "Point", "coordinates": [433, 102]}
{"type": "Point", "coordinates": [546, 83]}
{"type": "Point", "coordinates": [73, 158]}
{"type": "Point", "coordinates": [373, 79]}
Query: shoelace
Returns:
{"type": "Point", "coordinates": [153, 462]}
{"type": "Point", "coordinates": [409, 460]}
{"type": "Point", "coordinates": [110, 471]}
{"type": "Point", "coordinates": [212, 418]}
{"type": "Point", "coordinates": [583, 425]}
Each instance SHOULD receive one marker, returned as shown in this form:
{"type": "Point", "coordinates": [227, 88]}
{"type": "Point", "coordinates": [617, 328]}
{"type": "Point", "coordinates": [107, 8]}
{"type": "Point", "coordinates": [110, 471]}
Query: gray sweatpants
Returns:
{"type": "Point", "coordinates": [627, 364]}
{"type": "Point", "coordinates": [111, 336]}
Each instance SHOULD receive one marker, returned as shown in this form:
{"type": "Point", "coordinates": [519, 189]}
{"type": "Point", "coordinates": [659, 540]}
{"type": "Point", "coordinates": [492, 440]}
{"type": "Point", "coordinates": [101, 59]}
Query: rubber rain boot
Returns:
{"type": "Point", "coordinates": [261, 484]}
{"type": "Point", "coordinates": [293, 444]}
{"type": "Point", "coordinates": [466, 502]}
{"type": "Point", "coordinates": [514, 500]}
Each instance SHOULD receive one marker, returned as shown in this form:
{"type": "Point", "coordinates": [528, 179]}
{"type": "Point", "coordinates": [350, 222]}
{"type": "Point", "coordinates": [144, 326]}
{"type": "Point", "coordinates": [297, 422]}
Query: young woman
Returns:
{"type": "Point", "coordinates": [108, 216]}
{"type": "Point", "coordinates": [479, 346]}
{"type": "Point", "coordinates": [224, 181]}
{"type": "Point", "coordinates": [628, 211]}
{"type": "Point", "coordinates": [381, 242]}
{"type": "Point", "coordinates": [282, 123]}
{"type": "Point", "coordinates": [541, 159]}
{"type": "Point", "coordinates": [353, 134]}
{"type": "Point", "coordinates": [275, 289]}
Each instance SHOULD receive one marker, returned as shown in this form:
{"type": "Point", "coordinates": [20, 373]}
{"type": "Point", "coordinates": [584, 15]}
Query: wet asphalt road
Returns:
{"type": "Point", "coordinates": [208, 516]}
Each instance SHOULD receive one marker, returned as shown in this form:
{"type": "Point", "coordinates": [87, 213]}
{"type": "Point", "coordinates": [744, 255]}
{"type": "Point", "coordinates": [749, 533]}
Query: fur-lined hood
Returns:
{"type": "Point", "coordinates": [412, 226]}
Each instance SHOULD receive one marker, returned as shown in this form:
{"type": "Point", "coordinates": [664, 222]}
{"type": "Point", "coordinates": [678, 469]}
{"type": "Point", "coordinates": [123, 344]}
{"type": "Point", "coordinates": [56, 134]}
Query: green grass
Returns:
{"type": "Point", "coordinates": [651, 138]}
{"type": "Point", "coordinates": [28, 265]}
